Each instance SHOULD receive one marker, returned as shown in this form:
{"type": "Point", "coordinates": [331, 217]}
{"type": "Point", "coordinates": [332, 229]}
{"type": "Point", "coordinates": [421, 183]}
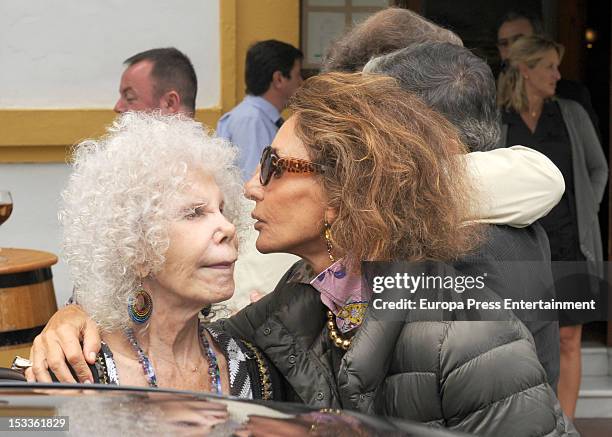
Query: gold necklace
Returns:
{"type": "Point", "coordinates": [534, 113]}
{"type": "Point", "coordinates": [334, 336]}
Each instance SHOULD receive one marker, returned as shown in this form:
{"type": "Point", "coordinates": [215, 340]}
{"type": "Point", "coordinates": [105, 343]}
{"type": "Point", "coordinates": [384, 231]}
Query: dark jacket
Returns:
{"type": "Point", "coordinates": [476, 377]}
{"type": "Point", "coordinates": [517, 264]}
{"type": "Point", "coordinates": [573, 90]}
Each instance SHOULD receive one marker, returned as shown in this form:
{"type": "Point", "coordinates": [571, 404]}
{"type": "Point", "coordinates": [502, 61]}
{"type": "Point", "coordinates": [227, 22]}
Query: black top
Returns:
{"type": "Point", "coordinates": [551, 139]}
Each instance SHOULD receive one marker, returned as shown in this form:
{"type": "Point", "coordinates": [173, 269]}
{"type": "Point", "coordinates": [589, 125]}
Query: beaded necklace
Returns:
{"type": "Point", "coordinates": [334, 335]}
{"type": "Point", "coordinates": [147, 368]}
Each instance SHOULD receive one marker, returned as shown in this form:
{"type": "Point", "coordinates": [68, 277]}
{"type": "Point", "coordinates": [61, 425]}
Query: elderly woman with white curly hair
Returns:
{"type": "Point", "coordinates": [149, 219]}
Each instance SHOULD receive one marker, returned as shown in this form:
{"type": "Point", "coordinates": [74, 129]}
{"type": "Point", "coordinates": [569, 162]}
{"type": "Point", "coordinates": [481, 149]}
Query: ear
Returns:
{"type": "Point", "coordinates": [331, 214]}
{"type": "Point", "coordinates": [277, 79]}
{"type": "Point", "coordinates": [171, 102]}
{"type": "Point", "coordinates": [523, 69]}
{"type": "Point", "coordinates": [142, 271]}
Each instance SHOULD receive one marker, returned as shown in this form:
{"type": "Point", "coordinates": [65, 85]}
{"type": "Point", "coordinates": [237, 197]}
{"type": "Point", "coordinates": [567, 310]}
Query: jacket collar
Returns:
{"type": "Point", "coordinates": [359, 375]}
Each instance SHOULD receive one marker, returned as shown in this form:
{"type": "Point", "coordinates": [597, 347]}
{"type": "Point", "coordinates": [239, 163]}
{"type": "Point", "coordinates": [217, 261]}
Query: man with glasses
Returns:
{"type": "Point", "coordinates": [513, 25]}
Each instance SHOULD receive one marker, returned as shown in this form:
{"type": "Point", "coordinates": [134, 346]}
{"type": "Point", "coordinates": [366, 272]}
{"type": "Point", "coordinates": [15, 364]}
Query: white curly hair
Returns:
{"type": "Point", "coordinates": [121, 197]}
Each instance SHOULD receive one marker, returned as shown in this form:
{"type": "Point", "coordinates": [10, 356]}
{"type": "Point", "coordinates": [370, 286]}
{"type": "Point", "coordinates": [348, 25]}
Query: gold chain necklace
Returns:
{"type": "Point", "coordinates": [334, 336]}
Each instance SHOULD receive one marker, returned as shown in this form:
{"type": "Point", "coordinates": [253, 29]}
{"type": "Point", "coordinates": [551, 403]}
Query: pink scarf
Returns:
{"type": "Point", "coordinates": [341, 292]}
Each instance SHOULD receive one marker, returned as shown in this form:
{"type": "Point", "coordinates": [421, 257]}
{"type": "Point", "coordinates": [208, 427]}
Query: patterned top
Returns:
{"type": "Point", "coordinates": [249, 372]}
{"type": "Point", "coordinates": [341, 292]}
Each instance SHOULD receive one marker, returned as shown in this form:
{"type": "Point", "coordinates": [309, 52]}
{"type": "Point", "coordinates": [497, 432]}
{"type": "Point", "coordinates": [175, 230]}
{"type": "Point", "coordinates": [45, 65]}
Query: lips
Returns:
{"type": "Point", "coordinates": [221, 265]}
{"type": "Point", "coordinates": [258, 223]}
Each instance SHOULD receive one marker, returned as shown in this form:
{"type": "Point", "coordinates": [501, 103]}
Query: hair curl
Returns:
{"type": "Point", "coordinates": [121, 197]}
{"type": "Point", "coordinates": [528, 50]}
{"type": "Point", "coordinates": [394, 173]}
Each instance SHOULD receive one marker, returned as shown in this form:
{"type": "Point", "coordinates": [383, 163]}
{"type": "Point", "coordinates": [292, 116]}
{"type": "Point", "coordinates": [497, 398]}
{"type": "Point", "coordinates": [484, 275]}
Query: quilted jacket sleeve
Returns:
{"type": "Point", "coordinates": [491, 382]}
{"type": "Point", "coordinates": [244, 323]}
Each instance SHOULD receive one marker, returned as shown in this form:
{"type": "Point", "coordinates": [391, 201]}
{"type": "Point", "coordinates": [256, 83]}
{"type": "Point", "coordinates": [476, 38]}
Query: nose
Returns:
{"type": "Point", "coordinates": [557, 74]}
{"type": "Point", "coordinates": [119, 106]}
{"type": "Point", "coordinates": [253, 190]}
{"type": "Point", "coordinates": [226, 231]}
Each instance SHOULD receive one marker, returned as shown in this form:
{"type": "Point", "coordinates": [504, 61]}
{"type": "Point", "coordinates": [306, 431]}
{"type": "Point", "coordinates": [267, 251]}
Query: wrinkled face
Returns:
{"type": "Point", "coordinates": [136, 90]}
{"type": "Point", "coordinates": [509, 32]}
{"type": "Point", "coordinates": [289, 210]}
{"type": "Point", "coordinates": [294, 81]}
{"type": "Point", "coordinates": [541, 80]}
{"type": "Point", "coordinates": [199, 265]}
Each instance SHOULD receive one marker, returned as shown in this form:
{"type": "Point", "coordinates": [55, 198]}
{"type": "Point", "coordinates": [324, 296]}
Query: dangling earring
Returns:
{"type": "Point", "coordinates": [328, 242]}
{"type": "Point", "coordinates": [140, 306]}
{"type": "Point", "coordinates": [206, 310]}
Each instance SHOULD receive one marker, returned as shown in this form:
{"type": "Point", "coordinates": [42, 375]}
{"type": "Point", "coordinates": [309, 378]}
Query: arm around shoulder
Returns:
{"type": "Point", "coordinates": [245, 322]}
{"type": "Point", "coordinates": [517, 185]}
{"type": "Point", "coordinates": [59, 344]}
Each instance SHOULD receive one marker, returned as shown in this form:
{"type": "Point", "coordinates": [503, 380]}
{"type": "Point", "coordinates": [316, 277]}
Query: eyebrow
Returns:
{"type": "Point", "coordinates": [198, 203]}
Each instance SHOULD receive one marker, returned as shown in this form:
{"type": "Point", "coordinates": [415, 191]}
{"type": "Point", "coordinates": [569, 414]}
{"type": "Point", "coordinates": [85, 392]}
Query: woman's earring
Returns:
{"type": "Point", "coordinates": [206, 310]}
{"type": "Point", "coordinates": [327, 236]}
{"type": "Point", "coordinates": [140, 306]}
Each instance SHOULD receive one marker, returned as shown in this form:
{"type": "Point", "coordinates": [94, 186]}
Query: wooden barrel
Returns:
{"type": "Point", "coordinates": [27, 299]}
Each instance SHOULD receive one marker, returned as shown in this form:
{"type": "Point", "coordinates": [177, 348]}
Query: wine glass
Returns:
{"type": "Point", "coordinates": [6, 208]}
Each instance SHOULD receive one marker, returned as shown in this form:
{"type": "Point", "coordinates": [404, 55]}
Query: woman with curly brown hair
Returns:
{"type": "Point", "coordinates": [389, 169]}
{"type": "Point", "coordinates": [364, 171]}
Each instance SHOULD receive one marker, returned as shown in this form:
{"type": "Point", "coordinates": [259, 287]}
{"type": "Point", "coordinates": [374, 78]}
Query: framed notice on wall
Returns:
{"type": "Point", "coordinates": [322, 21]}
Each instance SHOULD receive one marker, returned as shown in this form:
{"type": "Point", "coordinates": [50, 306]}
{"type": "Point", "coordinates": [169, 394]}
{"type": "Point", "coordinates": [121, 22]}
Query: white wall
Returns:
{"type": "Point", "coordinates": [69, 53]}
{"type": "Point", "coordinates": [35, 189]}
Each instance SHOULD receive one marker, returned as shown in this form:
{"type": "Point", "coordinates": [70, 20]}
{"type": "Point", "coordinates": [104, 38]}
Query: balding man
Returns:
{"type": "Point", "coordinates": [158, 79]}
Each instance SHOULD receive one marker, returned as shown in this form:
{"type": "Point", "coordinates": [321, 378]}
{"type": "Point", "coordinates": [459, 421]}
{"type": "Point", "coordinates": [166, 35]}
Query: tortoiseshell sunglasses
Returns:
{"type": "Point", "coordinates": [273, 165]}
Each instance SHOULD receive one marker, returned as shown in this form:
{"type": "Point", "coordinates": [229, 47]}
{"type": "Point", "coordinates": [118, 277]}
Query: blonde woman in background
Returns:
{"type": "Point", "coordinates": [562, 130]}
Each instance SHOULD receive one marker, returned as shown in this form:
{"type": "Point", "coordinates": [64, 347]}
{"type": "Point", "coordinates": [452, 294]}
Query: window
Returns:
{"type": "Point", "coordinates": [325, 20]}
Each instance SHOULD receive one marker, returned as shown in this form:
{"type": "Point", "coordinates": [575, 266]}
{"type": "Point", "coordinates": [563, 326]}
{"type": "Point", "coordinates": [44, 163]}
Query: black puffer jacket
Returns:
{"type": "Point", "coordinates": [475, 377]}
